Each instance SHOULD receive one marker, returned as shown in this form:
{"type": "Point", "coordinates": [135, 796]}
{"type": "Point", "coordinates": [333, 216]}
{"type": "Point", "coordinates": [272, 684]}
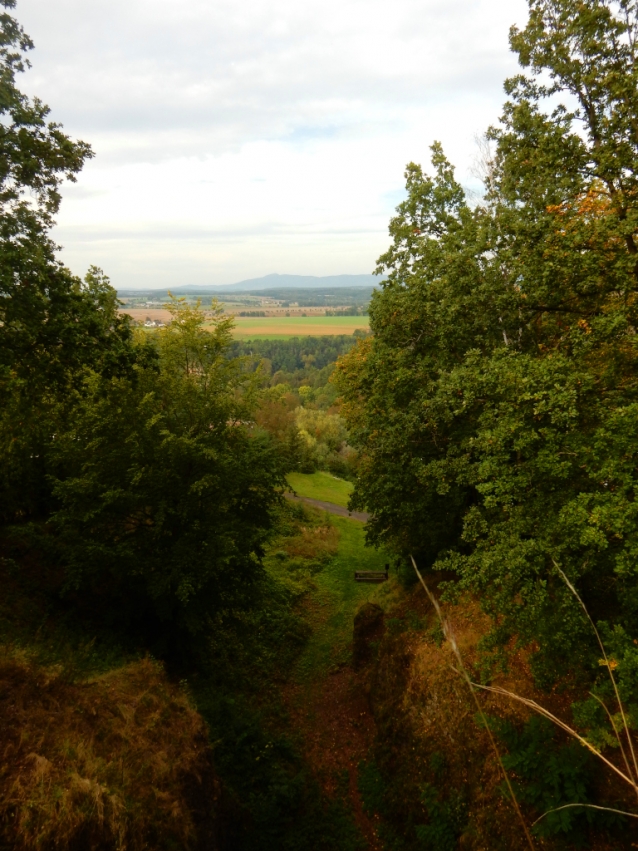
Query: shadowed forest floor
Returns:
{"type": "Point", "coordinates": [325, 698]}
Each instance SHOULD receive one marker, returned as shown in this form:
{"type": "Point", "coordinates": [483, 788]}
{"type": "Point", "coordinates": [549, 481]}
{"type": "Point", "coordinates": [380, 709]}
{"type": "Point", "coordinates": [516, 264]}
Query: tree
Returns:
{"type": "Point", "coordinates": [53, 326]}
{"type": "Point", "coordinates": [165, 486]}
{"type": "Point", "coordinates": [495, 406]}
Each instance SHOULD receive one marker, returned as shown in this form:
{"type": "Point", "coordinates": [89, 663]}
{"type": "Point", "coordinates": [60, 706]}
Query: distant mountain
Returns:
{"type": "Point", "coordinates": [265, 283]}
{"type": "Point", "coordinates": [300, 282]}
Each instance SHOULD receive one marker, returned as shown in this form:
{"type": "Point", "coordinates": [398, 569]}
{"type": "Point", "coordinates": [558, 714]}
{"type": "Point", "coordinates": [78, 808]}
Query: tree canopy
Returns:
{"type": "Point", "coordinates": [495, 407]}
{"type": "Point", "coordinates": [164, 485]}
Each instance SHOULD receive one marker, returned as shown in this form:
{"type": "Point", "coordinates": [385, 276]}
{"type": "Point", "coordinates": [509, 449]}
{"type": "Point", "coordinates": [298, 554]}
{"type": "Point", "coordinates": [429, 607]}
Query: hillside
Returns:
{"type": "Point", "coordinates": [374, 589]}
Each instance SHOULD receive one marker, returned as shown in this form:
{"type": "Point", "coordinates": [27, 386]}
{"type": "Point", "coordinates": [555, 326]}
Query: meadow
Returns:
{"type": "Point", "coordinates": [321, 485]}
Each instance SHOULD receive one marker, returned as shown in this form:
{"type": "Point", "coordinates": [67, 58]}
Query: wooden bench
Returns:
{"type": "Point", "coordinates": [371, 575]}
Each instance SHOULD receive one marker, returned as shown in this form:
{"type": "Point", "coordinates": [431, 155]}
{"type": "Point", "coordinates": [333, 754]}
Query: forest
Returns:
{"type": "Point", "coordinates": [185, 658]}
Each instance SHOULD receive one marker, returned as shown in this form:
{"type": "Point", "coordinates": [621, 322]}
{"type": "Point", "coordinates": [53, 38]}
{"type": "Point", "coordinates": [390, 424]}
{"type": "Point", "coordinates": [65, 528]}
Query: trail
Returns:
{"type": "Point", "coordinates": [330, 507]}
{"type": "Point", "coordinates": [338, 731]}
{"type": "Point", "coordinates": [326, 699]}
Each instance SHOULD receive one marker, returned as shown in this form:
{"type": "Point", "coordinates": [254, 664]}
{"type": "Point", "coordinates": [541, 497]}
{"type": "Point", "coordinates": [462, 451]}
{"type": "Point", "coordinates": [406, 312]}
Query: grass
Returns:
{"type": "Point", "coordinates": [336, 599]}
{"type": "Point", "coordinates": [284, 327]}
{"type": "Point", "coordinates": [323, 486]}
{"type": "Point", "coordinates": [319, 560]}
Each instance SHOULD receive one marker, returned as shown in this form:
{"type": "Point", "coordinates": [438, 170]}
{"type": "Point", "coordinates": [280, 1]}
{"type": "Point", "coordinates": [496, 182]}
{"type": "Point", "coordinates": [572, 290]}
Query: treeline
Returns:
{"type": "Point", "coordinates": [352, 310]}
{"type": "Point", "coordinates": [296, 354]}
{"type": "Point", "coordinates": [317, 297]}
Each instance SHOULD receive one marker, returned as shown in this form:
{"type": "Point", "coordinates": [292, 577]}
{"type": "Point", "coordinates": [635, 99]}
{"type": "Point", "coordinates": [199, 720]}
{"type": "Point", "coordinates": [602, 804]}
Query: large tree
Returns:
{"type": "Point", "coordinates": [496, 406]}
{"type": "Point", "coordinates": [53, 326]}
{"type": "Point", "coordinates": [165, 486]}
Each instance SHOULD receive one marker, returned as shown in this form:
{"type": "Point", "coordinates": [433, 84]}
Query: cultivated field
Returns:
{"type": "Point", "coordinates": [282, 327]}
{"type": "Point", "coordinates": [271, 327]}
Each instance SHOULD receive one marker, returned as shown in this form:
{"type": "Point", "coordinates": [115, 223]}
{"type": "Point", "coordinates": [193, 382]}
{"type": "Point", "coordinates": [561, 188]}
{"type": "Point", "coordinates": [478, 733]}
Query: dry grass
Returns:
{"type": "Point", "coordinates": [313, 542]}
{"type": "Point", "coordinates": [444, 715]}
{"type": "Point", "coordinates": [424, 708]}
{"type": "Point", "coordinates": [119, 762]}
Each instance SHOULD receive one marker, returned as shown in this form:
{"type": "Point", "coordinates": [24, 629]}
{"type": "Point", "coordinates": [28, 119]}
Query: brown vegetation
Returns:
{"type": "Point", "coordinates": [313, 542]}
{"type": "Point", "coordinates": [121, 761]}
{"type": "Point", "coordinates": [332, 718]}
{"type": "Point", "coordinates": [423, 711]}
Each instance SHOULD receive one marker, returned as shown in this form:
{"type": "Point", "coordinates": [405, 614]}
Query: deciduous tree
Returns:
{"type": "Point", "coordinates": [165, 486]}
{"type": "Point", "coordinates": [496, 406]}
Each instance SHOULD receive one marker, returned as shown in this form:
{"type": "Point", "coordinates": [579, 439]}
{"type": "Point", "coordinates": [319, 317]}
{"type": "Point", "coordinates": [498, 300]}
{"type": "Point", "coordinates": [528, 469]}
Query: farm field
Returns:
{"type": "Point", "coordinates": [271, 327]}
{"type": "Point", "coordinates": [283, 327]}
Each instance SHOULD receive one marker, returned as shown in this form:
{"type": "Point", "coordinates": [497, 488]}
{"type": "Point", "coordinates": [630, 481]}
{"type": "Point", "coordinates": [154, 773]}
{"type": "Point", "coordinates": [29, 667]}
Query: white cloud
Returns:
{"type": "Point", "coordinates": [234, 140]}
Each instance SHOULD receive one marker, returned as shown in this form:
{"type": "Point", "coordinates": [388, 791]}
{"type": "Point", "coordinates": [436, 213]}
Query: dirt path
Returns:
{"type": "Point", "coordinates": [330, 507]}
{"type": "Point", "coordinates": [325, 698]}
{"type": "Point", "coordinates": [338, 730]}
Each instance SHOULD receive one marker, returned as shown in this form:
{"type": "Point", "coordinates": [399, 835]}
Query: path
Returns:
{"type": "Point", "coordinates": [326, 699]}
{"type": "Point", "coordinates": [334, 720]}
{"type": "Point", "coordinates": [330, 507]}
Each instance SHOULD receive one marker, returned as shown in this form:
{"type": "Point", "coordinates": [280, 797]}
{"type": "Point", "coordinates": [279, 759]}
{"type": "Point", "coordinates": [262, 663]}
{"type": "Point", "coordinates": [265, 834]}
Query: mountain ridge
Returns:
{"type": "Point", "coordinates": [267, 282]}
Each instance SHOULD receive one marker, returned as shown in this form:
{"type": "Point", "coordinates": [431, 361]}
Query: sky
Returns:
{"type": "Point", "coordinates": [234, 140]}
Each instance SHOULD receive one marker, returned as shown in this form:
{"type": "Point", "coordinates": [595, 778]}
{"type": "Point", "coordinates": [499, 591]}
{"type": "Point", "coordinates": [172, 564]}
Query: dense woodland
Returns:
{"type": "Point", "coordinates": [489, 425]}
{"type": "Point", "coordinates": [298, 403]}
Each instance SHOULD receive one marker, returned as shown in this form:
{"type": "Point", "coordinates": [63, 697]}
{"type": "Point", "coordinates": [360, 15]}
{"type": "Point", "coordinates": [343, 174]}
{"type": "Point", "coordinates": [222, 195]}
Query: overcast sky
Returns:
{"type": "Point", "coordinates": [235, 139]}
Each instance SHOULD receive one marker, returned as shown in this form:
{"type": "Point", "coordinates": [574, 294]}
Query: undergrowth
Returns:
{"type": "Point", "coordinates": [431, 779]}
{"type": "Point", "coordinates": [117, 761]}
{"type": "Point", "coordinates": [94, 749]}
{"type": "Point", "coordinates": [548, 773]}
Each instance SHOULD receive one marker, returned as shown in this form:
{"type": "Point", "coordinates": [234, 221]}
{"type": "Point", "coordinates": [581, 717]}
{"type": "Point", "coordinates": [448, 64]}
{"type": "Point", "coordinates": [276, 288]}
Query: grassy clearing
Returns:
{"type": "Point", "coordinates": [323, 486]}
{"type": "Point", "coordinates": [337, 597]}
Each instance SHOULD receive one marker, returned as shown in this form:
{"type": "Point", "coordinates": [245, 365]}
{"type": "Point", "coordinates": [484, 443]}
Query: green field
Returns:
{"type": "Point", "coordinates": [284, 327]}
{"type": "Point", "coordinates": [323, 486]}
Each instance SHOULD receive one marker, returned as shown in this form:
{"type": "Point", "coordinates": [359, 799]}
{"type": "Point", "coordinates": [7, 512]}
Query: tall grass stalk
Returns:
{"type": "Point", "coordinates": [449, 635]}
{"type": "Point", "coordinates": [621, 708]}
{"type": "Point", "coordinates": [628, 776]}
